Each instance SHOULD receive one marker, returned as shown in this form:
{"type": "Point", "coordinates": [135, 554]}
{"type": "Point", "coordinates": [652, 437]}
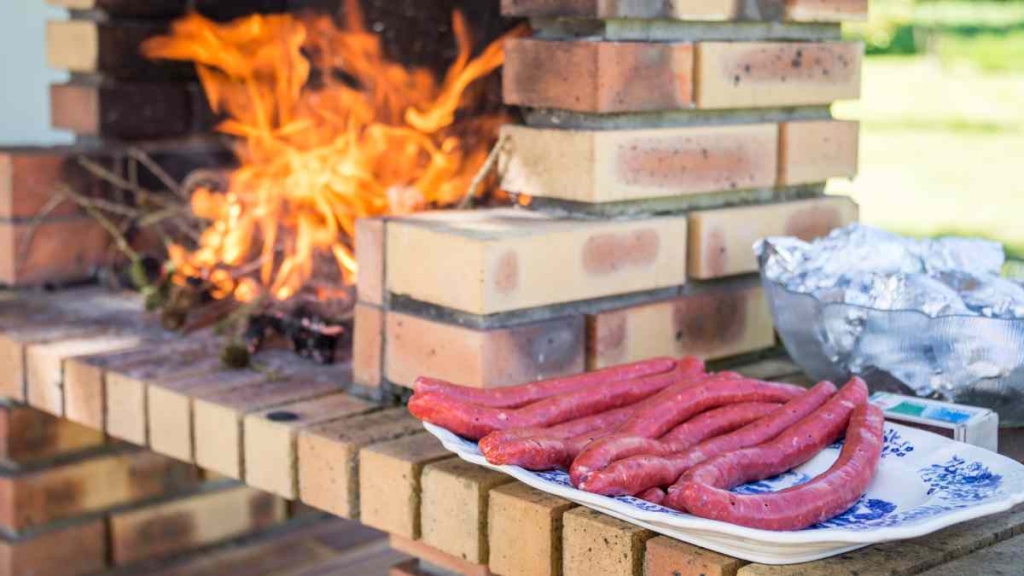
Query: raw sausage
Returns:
{"type": "Point", "coordinates": [653, 495]}
{"type": "Point", "coordinates": [516, 396]}
{"type": "Point", "coordinates": [677, 404]}
{"type": "Point", "coordinates": [555, 447]}
{"type": "Point", "coordinates": [794, 446]}
{"type": "Point", "coordinates": [637, 473]}
{"type": "Point", "coordinates": [697, 429]}
{"type": "Point", "coordinates": [689, 366]}
{"type": "Point", "coordinates": [475, 422]}
{"type": "Point", "coordinates": [805, 505]}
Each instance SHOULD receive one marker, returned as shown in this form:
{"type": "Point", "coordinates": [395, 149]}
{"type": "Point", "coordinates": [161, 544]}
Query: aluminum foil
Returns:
{"type": "Point", "coordinates": [929, 317]}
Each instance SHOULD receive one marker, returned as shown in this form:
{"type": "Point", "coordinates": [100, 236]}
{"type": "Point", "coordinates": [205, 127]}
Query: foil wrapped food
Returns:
{"type": "Point", "coordinates": [929, 317]}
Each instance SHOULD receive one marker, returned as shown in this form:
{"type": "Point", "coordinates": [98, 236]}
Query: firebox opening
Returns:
{"type": "Point", "coordinates": [332, 117]}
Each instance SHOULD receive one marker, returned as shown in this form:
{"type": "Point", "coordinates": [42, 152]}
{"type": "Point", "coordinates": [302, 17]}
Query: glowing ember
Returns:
{"type": "Point", "coordinates": [329, 131]}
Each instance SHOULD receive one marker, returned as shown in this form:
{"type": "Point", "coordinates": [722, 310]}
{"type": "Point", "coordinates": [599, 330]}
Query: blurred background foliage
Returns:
{"type": "Point", "coordinates": [942, 112]}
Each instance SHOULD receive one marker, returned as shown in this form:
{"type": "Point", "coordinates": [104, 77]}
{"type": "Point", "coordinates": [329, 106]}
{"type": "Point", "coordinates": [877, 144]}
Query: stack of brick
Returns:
{"type": "Point", "coordinates": [660, 142]}
{"type": "Point", "coordinates": [73, 503]}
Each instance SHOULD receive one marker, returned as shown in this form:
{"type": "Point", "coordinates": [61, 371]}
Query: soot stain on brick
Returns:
{"type": "Point", "coordinates": [171, 531]}
{"type": "Point", "coordinates": [506, 274]}
{"type": "Point", "coordinates": [813, 222]}
{"type": "Point", "coordinates": [40, 433]}
{"type": "Point", "coordinates": [152, 474]}
{"type": "Point", "coordinates": [550, 348]}
{"type": "Point", "coordinates": [61, 497]}
{"type": "Point", "coordinates": [261, 509]}
{"type": "Point", "coordinates": [805, 63]}
{"type": "Point", "coordinates": [608, 253]}
{"type": "Point", "coordinates": [711, 320]}
{"type": "Point", "coordinates": [607, 335]}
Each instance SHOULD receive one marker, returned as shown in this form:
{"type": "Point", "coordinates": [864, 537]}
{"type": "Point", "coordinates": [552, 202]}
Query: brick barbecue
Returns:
{"type": "Point", "coordinates": [656, 147]}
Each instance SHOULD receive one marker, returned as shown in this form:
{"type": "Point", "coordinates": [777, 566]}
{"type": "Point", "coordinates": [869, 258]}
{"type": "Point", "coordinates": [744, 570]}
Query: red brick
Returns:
{"type": "Point", "coordinates": [126, 110]}
{"type": "Point", "coordinates": [72, 550]}
{"type": "Point", "coordinates": [620, 165]}
{"type": "Point", "coordinates": [29, 178]}
{"type": "Point", "coordinates": [32, 255]}
{"type": "Point", "coordinates": [669, 557]}
{"type": "Point", "coordinates": [588, 76]}
{"type": "Point", "coordinates": [491, 358]}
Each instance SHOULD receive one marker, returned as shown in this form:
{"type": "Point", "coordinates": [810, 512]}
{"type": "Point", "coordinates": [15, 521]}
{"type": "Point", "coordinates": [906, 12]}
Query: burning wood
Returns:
{"type": "Point", "coordinates": [329, 130]}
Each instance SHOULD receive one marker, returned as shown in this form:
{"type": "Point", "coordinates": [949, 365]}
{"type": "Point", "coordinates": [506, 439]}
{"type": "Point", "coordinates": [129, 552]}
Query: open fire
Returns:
{"type": "Point", "coordinates": [329, 130]}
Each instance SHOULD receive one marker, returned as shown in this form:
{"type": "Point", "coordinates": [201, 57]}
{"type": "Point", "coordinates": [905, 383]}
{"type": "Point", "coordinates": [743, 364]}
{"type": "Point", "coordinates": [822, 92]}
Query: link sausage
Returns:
{"type": "Point", "coordinates": [678, 404]}
{"type": "Point", "coordinates": [652, 495]}
{"type": "Point", "coordinates": [637, 473]}
{"type": "Point", "coordinates": [808, 504]}
{"type": "Point", "coordinates": [516, 396]}
{"type": "Point", "coordinates": [555, 447]}
{"type": "Point", "coordinates": [697, 429]}
{"type": "Point", "coordinates": [792, 446]}
{"type": "Point", "coordinates": [475, 422]}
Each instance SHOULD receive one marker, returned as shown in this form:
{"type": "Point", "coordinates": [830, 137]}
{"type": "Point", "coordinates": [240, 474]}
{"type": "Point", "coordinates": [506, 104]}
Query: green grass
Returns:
{"type": "Point", "coordinates": [987, 35]}
{"type": "Point", "coordinates": [990, 52]}
{"type": "Point", "coordinates": [942, 149]}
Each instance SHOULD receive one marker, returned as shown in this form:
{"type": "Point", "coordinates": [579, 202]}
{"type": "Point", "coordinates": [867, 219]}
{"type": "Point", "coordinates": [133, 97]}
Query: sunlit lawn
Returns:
{"type": "Point", "coordinates": [942, 148]}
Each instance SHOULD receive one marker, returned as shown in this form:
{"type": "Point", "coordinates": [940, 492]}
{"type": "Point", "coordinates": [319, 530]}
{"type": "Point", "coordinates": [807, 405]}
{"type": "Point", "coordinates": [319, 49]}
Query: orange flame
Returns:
{"type": "Point", "coordinates": [367, 137]}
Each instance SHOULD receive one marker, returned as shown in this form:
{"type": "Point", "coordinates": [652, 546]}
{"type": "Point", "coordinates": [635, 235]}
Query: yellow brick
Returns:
{"type": "Point", "coordinates": [389, 482]}
{"type": "Point", "coordinates": [713, 322]}
{"type": "Point", "coordinates": [269, 436]}
{"type": "Point", "coordinates": [669, 557]}
{"type": "Point", "coordinates": [620, 165]}
{"type": "Point", "coordinates": [489, 261]}
{"type": "Point", "coordinates": [812, 152]}
{"type": "Point", "coordinates": [454, 510]}
{"type": "Point", "coordinates": [45, 365]}
{"type": "Point", "coordinates": [368, 345]}
{"type": "Point", "coordinates": [525, 531]}
{"type": "Point", "coordinates": [416, 346]}
{"type": "Point", "coordinates": [721, 240]}
{"type": "Point", "coordinates": [761, 74]}
{"type": "Point", "coordinates": [328, 457]}
{"type": "Point", "coordinates": [594, 544]}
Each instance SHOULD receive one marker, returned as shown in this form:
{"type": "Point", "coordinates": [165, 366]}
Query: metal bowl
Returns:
{"type": "Point", "coordinates": [962, 358]}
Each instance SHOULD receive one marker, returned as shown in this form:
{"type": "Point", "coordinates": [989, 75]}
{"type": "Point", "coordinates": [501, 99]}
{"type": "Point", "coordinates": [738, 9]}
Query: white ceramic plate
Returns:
{"type": "Point", "coordinates": [925, 483]}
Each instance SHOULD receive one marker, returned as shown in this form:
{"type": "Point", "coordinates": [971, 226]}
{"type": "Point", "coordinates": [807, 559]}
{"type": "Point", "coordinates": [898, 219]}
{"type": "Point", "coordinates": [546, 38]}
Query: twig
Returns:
{"type": "Point", "coordinates": [111, 228]}
{"type": "Point", "coordinates": [52, 204]}
{"type": "Point", "coordinates": [114, 208]}
{"type": "Point", "coordinates": [104, 174]}
{"type": "Point", "coordinates": [161, 174]}
{"type": "Point", "coordinates": [485, 170]}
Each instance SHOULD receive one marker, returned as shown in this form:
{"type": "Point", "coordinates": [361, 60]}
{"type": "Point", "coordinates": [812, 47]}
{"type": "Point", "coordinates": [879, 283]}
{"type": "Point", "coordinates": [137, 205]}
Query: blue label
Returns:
{"type": "Point", "coordinates": [948, 415]}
